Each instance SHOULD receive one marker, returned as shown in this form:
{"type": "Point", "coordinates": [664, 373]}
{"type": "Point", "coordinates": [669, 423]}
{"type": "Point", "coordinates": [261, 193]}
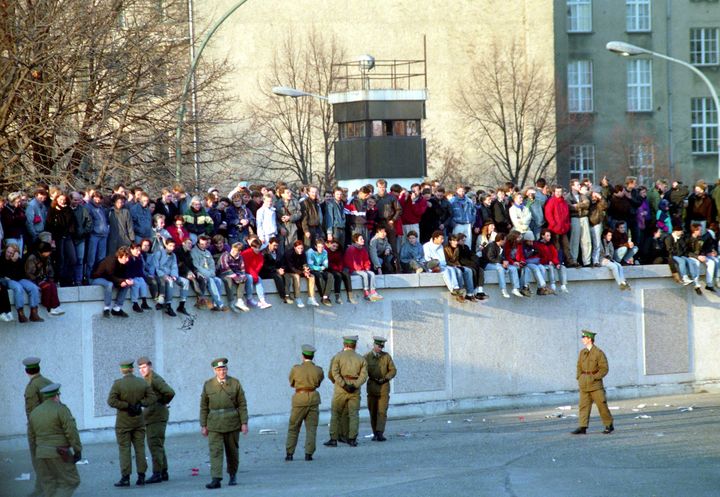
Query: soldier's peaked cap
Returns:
{"type": "Point", "coordinates": [127, 364]}
{"type": "Point", "coordinates": [308, 350]}
{"type": "Point", "coordinates": [31, 362]}
{"type": "Point", "coordinates": [220, 362]}
{"type": "Point", "coordinates": [50, 390]}
{"type": "Point", "coordinates": [379, 340]}
{"type": "Point", "coordinates": [589, 334]}
{"type": "Point", "coordinates": [350, 339]}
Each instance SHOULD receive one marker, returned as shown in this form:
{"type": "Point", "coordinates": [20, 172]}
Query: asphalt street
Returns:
{"type": "Point", "coordinates": [660, 448]}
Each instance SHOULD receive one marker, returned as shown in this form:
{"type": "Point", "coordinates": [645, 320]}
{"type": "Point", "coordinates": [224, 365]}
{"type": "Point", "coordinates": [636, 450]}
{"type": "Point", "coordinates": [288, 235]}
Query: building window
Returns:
{"type": "Point", "coordinates": [580, 86]}
{"type": "Point", "coordinates": [579, 16]}
{"type": "Point", "coordinates": [352, 130]}
{"type": "Point", "coordinates": [642, 162]}
{"type": "Point", "coordinates": [704, 43]}
{"type": "Point", "coordinates": [704, 126]}
{"type": "Point", "coordinates": [582, 162]}
{"type": "Point", "coordinates": [637, 16]}
{"type": "Point", "coordinates": [639, 85]}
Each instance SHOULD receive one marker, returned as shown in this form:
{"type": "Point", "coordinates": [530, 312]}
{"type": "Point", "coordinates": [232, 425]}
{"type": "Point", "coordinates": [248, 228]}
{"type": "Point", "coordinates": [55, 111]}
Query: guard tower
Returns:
{"type": "Point", "coordinates": [379, 118]}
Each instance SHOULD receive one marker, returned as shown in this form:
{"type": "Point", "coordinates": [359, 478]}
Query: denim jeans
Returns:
{"type": "Point", "coordinates": [20, 288]}
{"type": "Point", "coordinates": [168, 288]}
{"type": "Point", "coordinates": [464, 277]}
{"type": "Point", "coordinates": [512, 270]}
{"type": "Point", "coordinates": [693, 266]}
{"type": "Point", "coordinates": [368, 279]}
{"type": "Point", "coordinates": [682, 265]}
{"type": "Point", "coordinates": [108, 288]}
{"type": "Point", "coordinates": [615, 269]}
{"type": "Point", "coordinates": [252, 286]}
{"type": "Point", "coordinates": [138, 290]}
{"type": "Point", "coordinates": [96, 252]}
{"type": "Point", "coordinates": [537, 272]}
{"type": "Point", "coordinates": [553, 274]}
{"type": "Point", "coordinates": [623, 254]}
{"type": "Point", "coordinates": [79, 260]}
{"type": "Point", "coordinates": [596, 236]}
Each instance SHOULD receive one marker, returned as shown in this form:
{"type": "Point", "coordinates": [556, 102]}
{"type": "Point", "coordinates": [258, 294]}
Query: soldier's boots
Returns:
{"type": "Point", "coordinates": [582, 430]}
{"type": "Point", "coordinates": [165, 476]}
{"type": "Point", "coordinates": [155, 478]}
{"type": "Point", "coordinates": [124, 481]}
{"type": "Point", "coordinates": [609, 429]}
{"type": "Point", "coordinates": [342, 440]}
{"type": "Point", "coordinates": [215, 483]}
{"type": "Point", "coordinates": [141, 479]}
{"type": "Point", "coordinates": [233, 481]}
{"type": "Point", "coordinates": [308, 457]}
{"type": "Point", "coordinates": [352, 442]}
{"type": "Point", "coordinates": [331, 443]}
{"type": "Point", "coordinates": [379, 437]}
{"type": "Point", "coordinates": [288, 457]}
{"type": "Point", "coordinates": [169, 310]}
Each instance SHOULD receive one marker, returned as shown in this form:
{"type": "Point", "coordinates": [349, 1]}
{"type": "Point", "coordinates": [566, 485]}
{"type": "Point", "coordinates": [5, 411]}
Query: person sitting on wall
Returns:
{"type": "Point", "coordinates": [112, 273]}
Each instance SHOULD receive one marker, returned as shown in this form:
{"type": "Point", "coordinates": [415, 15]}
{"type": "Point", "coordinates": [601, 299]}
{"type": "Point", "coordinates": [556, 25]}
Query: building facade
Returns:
{"type": "Point", "coordinates": [643, 116]}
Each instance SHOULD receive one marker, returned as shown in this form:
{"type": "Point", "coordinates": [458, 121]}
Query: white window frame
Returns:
{"type": "Point", "coordinates": [579, 16]}
{"type": "Point", "coordinates": [638, 16]}
{"type": "Point", "coordinates": [703, 126]}
{"type": "Point", "coordinates": [642, 162]}
{"type": "Point", "coordinates": [639, 85]}
{"type": "Point", "coordinates": [580, 86]}
{"type": "Point", "coordinates": [705, 46]}
{"type": "Point", "coordinates": [581, 161]}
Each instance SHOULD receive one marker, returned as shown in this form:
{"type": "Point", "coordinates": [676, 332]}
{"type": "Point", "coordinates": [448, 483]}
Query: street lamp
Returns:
{"type": "Point", "coordinates": [285, 91]}
{"type": "Point", "coordinates": [628, 50]}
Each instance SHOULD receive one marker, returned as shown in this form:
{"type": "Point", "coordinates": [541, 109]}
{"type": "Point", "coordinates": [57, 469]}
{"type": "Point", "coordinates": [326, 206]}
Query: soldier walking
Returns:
{"type": "Point", "coordinates": [381, 369]}
{"type": "Point", "coordinates": [350, 372]}
{"type": "Point", "coordinates": [55, 441]}
{"type": "Point", "coordinates": [305, 378]}
{"type": "Point", "coordinates": [34, 398]}
{"type": "Point", "coordinates": [592, 366]}
{"type": "Point", "coordinates": [223, 414]}
{"type": "Point", "coordinates": [156, 418]}
{"type": "Point", "coordinates": [129, 395]}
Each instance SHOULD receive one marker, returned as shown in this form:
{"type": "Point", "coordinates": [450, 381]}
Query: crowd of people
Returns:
{"type": "Point", "coordinates": [154, 249]}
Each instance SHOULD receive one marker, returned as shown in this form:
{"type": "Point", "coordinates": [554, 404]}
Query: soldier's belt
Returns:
{"type": "Point", "coordinates": [229, 409]}
{"type": "Point", "coordinates": [590, 372]}
{"type": "Point", "coordinates": [298, 390]}
{"type": "Point", "coordinates": [350, 377]}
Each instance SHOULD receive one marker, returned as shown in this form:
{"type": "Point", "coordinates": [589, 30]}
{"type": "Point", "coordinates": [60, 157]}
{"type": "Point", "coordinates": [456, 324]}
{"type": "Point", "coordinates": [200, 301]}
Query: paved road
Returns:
{"type": "Point", "coordinates": [514, 453]}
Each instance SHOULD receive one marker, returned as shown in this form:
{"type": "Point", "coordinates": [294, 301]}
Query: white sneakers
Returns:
{"type": "Point", "coordinates": [563, 289]}
{"type": "Point", "coordinates": [300, 303]}
{"type": "Point", "coordinates": [686, 281]}
{"type": "Point", "coordinates": [240, 304]}
{"type": "Point", "coordinates": [263, 304]}
{"type": "Point", "coordinates": [58, 311]}
{"type": "Point", "coordinates": [6, 316]}
{"type": "Point", "coordinates": [517, 293]}
{"type": "Point", "coordinates": [313, 302]}
{"type": "Point", "coordinates": [505, 294]}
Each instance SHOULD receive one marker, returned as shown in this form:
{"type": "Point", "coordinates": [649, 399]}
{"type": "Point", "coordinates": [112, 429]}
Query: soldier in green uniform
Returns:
{"type": "Point", "coordinates": [592, 366]}
{"type": "Point", "coordinates": [223, 414]}
{"type": "Point", "coordinates": [56, 443]}
{"type": "Point", "coordinates": [349, 370]}
{"type": "Point", "coordinates": [34, 398]}
{"type": "Point", "coordinates": [305, 378]}
{"type": "Point", "coordinates": [129, 395]}
{"type": "Point", "coordinates": [343, 421]}
{"type": "Point", "coordinates": [381, 369]}
{"type": "Point", "coordinates": [156, 418]}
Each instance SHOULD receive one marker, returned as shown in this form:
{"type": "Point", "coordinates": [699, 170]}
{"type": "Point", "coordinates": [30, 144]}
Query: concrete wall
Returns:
{"type": "Point", "coordinates": [449, 355]}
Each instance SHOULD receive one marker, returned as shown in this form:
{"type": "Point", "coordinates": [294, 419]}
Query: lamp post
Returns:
{"type": "Point", "coordinates": [186, 89]}
{"type": "Point", "coordinates": [285, 91]}
{"type": "Point", "coordinates": [629, 50]}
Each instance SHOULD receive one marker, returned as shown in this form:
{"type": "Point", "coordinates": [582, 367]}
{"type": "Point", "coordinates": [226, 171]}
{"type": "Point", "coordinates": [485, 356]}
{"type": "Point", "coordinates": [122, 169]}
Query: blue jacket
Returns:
{"type": "Point", "coordinates": [165, 263]}
{"type": "Point", "coordinates": [463, 210]}
{"type": "Point", "coordinates": [317, 261]}
{"type": "Point", "coordinates": [334, 216]}
{"type": "Point", "coordinates": [409, 253]}
{"type": "Point", "coordinates": [142, 221]}
{"type": "Point", "coordinates": [35, 211]}
{"type": "Point", "coordinates": [100, 228]}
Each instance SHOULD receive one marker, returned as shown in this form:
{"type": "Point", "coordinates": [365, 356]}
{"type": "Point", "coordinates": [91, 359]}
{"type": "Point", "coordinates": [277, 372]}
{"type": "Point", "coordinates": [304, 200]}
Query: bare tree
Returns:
{"type": "Point", "coordinates": [90, 91]}
{"type": "Point", "coordinates": [634, 152]}
{"type": "Point", "coordinates": [509, 107]}
{"type": "Point", "coordinates": [294, 137]}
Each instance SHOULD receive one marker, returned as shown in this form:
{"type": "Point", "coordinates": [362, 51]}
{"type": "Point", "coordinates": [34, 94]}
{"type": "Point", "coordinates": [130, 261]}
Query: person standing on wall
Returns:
{"type": "Point", "coordinates": [381, 369]}
{"type": "Point", "coordinates": [592, 367]}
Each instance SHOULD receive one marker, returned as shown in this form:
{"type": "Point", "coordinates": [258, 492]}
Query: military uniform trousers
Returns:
{"type": "Point", "coordinates": [378, 407]}
{"type": "Point", "coordinates": [57, 478]}
{"type": "Point", "coordinates": [37, 491]}
{"type": "Point", "coordinates": [155, 433]}
{"type": "Point", "coordinates": [586, 401]}
{"type": "Point", "coordinates": [310, 415]}
{"type": "Point", "coordinates": [229, 442]}
{"type": "Point", "coordinates": [345, 401]}
{"type": "Point", "coordinates": [125, 437]}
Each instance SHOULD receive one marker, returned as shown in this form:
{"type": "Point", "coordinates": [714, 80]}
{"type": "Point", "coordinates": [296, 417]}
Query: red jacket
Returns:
{"type": "Point", "coordinates": [548, 253]}
{"type": "Point", "coordinates": [557, 215]}
{"type": "Point", "coordinates": [357, 259]}
{"type": "Point", "coordinates": [253, 263]}
{"type": "Point", "coordinates": [412, 211]}
{"type": "Point", "coordinates": [519, 253]}
{"type": "Point", "coordinates": [178, 235]}
{"type": "Point", "coordinates": [335, 259]}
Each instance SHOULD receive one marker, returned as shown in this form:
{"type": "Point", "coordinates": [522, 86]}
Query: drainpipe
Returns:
{"type": "Point", "coordinates": [668, 50]}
